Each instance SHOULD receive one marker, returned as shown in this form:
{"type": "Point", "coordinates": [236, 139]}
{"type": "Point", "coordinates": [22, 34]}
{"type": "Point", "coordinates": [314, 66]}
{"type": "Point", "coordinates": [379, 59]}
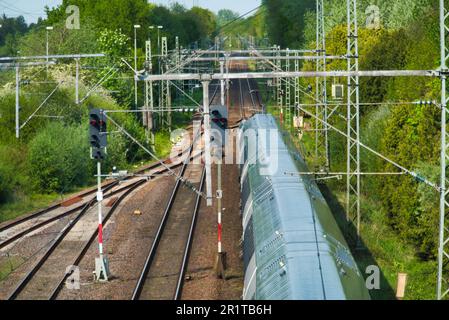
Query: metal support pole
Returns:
{"type": "Point", "coordinates": [297, 85]}
{"type": "Point", "coordinates": [443, 248]}
{"type": "Point", "coordinates": [100, 215]}
{"type": "Point", "coordinates": [166, 95]}
{"type": "Point", "coordinates": [227, 82]}
{"type": "Point", "coordinates": [77, 79]}
{"type": "Point", "coordinates": [279, 85]}
{"type": "Point", "coordinates": [101, 263]}
{"type": "Point", "coordinates": [288, 102]}
{"type": "Point", "coordinates": [353, 97]}
{"type": "Point", "coordinates": [222, 84]}
{"type": "Point", "coordinates": [47, 53]}
{"type": "Point", "coordinates": [158, 41]}
{"type": "Point", "coordinates": [177, 53]}
{"type": "Point", "coordinates": [220, 262]}
{"type": "Point", "coordinates": [321, 134]}
{"type": "Point", "coordinates": [219, 208]}
{"type": "Point", "coordinates": [17, 102]}
{"type": "Point", "coordinates": [135, 66]}
{"type": "Point", "coordinates": [207, 136]}
{"type": "Point", "coordinates": [149, 98]}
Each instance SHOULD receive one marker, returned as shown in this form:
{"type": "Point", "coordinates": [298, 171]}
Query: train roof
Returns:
{"type": "Point", "coordinates": [316, 252]}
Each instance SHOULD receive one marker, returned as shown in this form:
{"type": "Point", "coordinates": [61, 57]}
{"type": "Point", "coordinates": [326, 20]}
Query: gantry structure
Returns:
{"type": "Point", "coordinates": [279, 63]}
{"type": "Point", "coordinates": [179, 66]}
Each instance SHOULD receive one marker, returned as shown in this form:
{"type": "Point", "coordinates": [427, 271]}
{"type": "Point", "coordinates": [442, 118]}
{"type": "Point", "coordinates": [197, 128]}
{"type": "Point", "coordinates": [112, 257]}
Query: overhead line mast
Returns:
{"type": "Point", "coordinates": [353, 121]}
{"type": "Point", "coordinates": [321, 132]}
{"type": "Point", "coordinates": [443, 249]}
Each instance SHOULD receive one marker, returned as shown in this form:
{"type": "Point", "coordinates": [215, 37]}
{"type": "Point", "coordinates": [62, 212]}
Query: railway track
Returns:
{"type": "Point", "coordinates": [92, 191]}
{"type": "Point", "coordinates": [162, 275]}
{"type": "Point", "coordinates": [41, 221]}
{"type": "Point", "coordinates": [50, 289]}
{"type": "Point", "coordinates": [243, 98]}
{"type": "Point", "coordinates": [41, 280]}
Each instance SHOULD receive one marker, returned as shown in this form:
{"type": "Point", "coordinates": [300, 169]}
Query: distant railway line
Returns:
{"type": "Point", "coordinates": [163, 271]}
{"type": "Point", "coordinates": [162, 275]}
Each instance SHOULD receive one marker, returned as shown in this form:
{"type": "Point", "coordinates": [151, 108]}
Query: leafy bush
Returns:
{"type": "Point", "coordinates": [13, 178]}
{"type": "Point", "coordinates": [6, 180]}
{"type": "Point", "coordinates": [59, 158]}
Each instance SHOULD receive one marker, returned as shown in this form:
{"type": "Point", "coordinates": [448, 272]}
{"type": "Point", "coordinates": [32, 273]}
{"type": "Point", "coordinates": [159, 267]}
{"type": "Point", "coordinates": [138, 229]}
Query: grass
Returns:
{"type": "Point", "coordinates": [9, 265]}
{"type": "Point", "coordinates": [381, 246]}
{"type": "Point", "coordinates": [27, 204]}
{"type": "Point", "coordinates": [394, 255]}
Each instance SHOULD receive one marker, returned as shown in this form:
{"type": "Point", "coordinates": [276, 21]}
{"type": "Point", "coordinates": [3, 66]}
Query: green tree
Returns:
{"type": "Point", "coordinates": [224, 16]}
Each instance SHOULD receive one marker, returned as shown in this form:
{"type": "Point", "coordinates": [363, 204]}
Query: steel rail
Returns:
{"type": "Point", "coordinates": [25, 280]}
{"type": "Point", "coordinates": [82, 195]}
{"type": "Point", "coordinates": [64, 233]}
{"type": "Point", "coordinates": [23, 283]}
{"type": "Point", "coordinates": [55, 218]}
{"type": "Point", "coordinates": [87, 245]}
{"type": "Point", "coordinates": [46, 210]}
{"type": "Point", "coordinates": [150, 257]}
{"type": "Point", "coordinates": [71, 211]}
{"type": "Point", "coordinates": [149, 260]}
{"type": "Point", "coordinates": [180, 283]}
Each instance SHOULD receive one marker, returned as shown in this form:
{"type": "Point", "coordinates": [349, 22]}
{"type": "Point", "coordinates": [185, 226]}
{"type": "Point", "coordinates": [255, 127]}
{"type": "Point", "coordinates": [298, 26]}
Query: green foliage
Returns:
{"type": "Point", "coordinates": [284, 21]}
{"type": "Point", "coordinates": [11, 30]}
{"type": "Point", "coordinates": [205, 21]}
{"type": "Point", "coordinates": [190, 25]}
{"type": "Point", "coordinates": [114, 44]}
{"type": "Point", "coordinates": [12, 182]}
{"type": "Point", "coordinates": [61, 40]}
{"type": "Point", "coordinates": [225, 16]}
{"type": "Point", "coordinates": [427, 211]}
{"type": "Point", "coordinates": [59, 157]}
{"type": "Point", "coordinates": [110, 14]}
{"type": "Point", "coordinates": [254, 25]}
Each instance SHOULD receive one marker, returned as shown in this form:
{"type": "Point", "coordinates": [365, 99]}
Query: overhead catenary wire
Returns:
{"type": "Point", "coordinates": [169, 170]}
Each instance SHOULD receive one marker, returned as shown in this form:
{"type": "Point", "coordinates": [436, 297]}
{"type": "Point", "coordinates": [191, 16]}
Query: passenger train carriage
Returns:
{"type": "Point", "coordinates": [292, 246]}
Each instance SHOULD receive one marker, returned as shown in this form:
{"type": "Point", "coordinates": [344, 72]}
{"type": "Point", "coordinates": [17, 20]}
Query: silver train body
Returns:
{"type": "Point", "coordinates": [292, 246]}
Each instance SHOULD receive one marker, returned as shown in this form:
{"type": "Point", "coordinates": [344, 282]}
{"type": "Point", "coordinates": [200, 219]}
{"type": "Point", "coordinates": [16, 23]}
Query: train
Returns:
{"type": "Point", "coordinates": [293, 248]}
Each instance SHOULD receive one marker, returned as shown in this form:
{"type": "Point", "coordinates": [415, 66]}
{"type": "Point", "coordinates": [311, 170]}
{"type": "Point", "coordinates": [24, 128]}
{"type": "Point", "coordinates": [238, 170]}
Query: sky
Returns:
{"type": "Point", "coordinates": [33, 9]}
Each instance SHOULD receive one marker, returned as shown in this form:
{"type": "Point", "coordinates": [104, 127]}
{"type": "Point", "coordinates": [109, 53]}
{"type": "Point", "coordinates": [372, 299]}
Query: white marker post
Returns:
{"type": "Point", "coordinates": [101, 263]}
{"type": "Point", "coordinates": [220, 261]}
{"type": "Point", "coordinates": [207, 137]}
{"type": "Point", "coordinates": [17, 102]}
{"type": "Point", "coordinates": [222, 83]}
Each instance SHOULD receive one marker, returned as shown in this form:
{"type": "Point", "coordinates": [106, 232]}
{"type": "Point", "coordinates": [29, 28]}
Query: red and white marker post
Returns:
{"type": "Point", "coordinates": [101, 263]}
{"type": "Point", "coordinates": [220, 263]}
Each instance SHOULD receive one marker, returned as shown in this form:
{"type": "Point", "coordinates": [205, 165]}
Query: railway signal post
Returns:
{"type": "Point", "coordinates": [207, 138]}
{"type": "Point", "coordinates": [219, 124]}
{"type": "Point", "coordinates": [98, 140]}
{"type": "Point", "coordinates": [220, 262]}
